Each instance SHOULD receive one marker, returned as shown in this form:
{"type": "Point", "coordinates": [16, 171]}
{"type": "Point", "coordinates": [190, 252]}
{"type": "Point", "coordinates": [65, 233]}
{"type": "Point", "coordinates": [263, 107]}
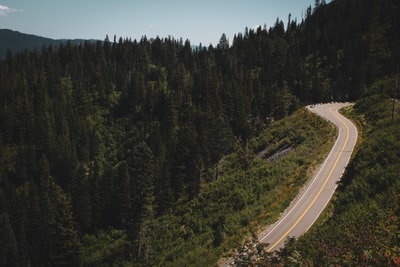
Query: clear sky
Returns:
{"type": "Point", "coordinates": [197, 20]}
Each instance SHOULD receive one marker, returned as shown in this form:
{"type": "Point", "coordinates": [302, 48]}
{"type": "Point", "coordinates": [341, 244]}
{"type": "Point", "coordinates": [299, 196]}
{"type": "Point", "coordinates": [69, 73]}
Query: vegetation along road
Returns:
{"type": "Point", "coordinates": [313, 199]}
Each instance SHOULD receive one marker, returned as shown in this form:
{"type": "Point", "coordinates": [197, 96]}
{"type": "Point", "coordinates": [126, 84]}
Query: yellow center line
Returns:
{"type": "Point", "coordinates": [320, 190]}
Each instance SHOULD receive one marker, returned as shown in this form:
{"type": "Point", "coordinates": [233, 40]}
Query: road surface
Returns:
{"type": "Point", "coordinates": [313, 199]}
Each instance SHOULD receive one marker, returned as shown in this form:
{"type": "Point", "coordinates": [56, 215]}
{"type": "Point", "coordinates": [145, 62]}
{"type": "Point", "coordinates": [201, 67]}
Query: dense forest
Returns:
{"type": "Point", "coordinates": [102, 140]}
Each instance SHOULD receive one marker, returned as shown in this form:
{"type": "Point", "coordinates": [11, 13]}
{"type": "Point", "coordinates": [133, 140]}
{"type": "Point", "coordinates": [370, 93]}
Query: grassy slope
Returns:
{"type": "Point", "coordinates": [249, 192]}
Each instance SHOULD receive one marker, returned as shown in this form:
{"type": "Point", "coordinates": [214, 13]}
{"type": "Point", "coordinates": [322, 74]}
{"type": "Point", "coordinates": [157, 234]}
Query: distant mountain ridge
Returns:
{"type": "Point", "coordinates": [16, 41]}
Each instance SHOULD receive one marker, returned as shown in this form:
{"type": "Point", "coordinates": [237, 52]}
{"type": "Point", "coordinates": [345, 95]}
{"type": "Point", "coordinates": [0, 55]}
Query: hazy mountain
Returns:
{"type": "Point", "coordinates": [16, 41]}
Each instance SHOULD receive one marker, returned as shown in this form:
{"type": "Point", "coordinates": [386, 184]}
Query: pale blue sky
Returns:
{"type": "Point", "coordinates": [197, 20]}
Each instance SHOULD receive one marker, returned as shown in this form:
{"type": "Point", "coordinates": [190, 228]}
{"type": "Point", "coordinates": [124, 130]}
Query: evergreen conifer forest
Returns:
{"type": "Point", "coordinates": [146, 152]}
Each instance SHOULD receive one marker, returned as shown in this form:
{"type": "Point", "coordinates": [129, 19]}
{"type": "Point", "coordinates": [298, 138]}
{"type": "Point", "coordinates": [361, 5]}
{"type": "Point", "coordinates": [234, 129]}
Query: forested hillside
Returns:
{"type": "Point", "coordinates": [99, 141]}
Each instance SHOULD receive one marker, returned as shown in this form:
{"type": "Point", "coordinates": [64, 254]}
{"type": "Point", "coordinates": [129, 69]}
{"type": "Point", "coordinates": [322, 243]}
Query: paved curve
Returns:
{"type": "Point", "coordinates": [309, 205]}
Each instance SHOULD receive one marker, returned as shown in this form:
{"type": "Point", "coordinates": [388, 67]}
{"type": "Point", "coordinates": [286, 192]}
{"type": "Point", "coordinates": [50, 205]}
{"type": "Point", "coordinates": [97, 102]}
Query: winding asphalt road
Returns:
{"type": "Point", "coordinates": [304, 211]}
